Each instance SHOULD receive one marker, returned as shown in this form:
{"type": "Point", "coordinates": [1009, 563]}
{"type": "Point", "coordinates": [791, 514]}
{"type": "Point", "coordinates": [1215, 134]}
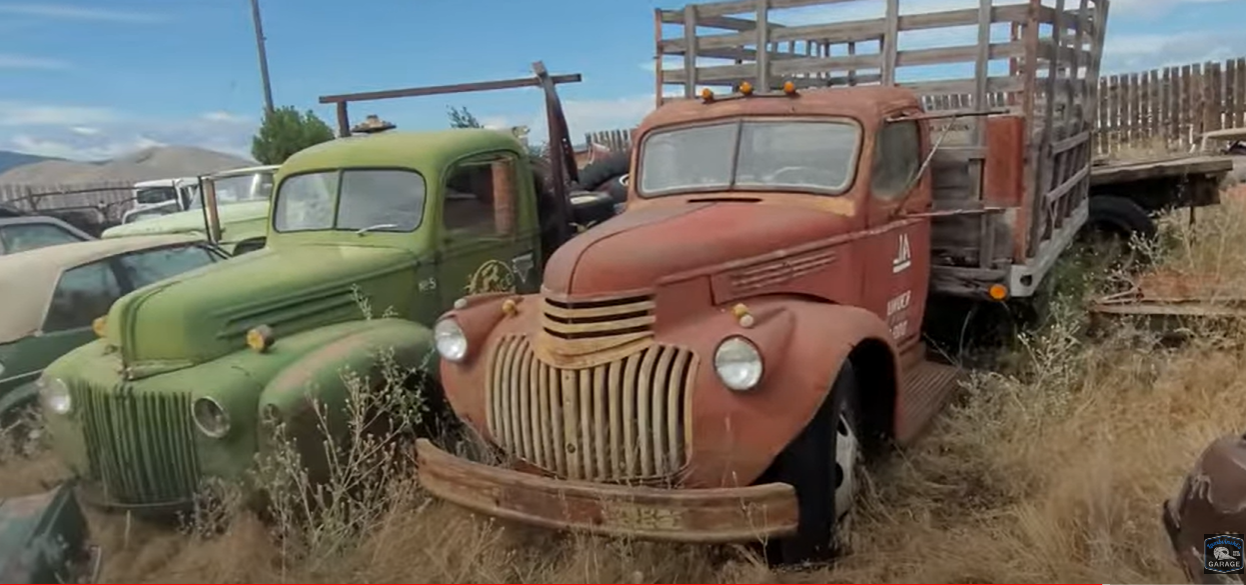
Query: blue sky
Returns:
{"type": "Point", "coordinates": [98, 78]}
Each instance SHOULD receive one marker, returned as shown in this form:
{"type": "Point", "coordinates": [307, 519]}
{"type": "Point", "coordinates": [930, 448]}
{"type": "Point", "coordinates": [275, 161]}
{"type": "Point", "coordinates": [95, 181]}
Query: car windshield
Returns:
{"type": "Point", "coordinates": [382, 200]}
{"type": "Point", "coordinates": [750, 155]}
{"type": "Point", "coordinates": [149, 195]}
{"type": "Point", "coordinates": [240, 188]}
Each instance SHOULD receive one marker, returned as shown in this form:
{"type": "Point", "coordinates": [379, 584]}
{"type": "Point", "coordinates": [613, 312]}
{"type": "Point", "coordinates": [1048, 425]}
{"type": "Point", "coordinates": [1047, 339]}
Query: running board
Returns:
{"type": "Point", "coordinates": [926, 387]}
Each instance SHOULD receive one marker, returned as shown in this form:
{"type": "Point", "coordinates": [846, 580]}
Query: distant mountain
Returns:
{"type": "Point", "coordinates": [9, 159]}
{"type": "Point", "coordinates": [162, 162]}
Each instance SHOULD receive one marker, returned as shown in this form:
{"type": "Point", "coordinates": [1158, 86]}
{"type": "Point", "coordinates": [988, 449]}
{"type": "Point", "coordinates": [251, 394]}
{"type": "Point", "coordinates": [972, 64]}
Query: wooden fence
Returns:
{"type": "Point", "coordinates": [1158, 110]}
{"type": "Point", "coordinates": [1170, 108]}
{"type": "Point", "coordinates": [108, 197]}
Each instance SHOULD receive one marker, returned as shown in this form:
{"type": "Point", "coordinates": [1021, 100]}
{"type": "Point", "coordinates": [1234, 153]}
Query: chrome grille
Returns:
{"type": "Point", "coordinates": [620, 421]}
{"type": "Point", "coordinates": [140, 446]}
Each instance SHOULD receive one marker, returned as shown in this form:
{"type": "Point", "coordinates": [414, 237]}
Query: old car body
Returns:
{"type": "Point", "coordinates": [44, 539]}
{"type": "Point", "coordinates": [31, 232]}
{"type": "Point", "coordinates": [408, 221]}
{"type": "Point", "coordinates": [242, 201]}
{"type": "Point", "coordinates": [52, 296]}
{"type": "Point", "coordinates": [1211, 501]}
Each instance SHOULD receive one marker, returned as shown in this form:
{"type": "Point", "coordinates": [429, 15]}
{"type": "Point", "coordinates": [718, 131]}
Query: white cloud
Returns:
{"type": "Point", "coordinates": [224, 117]}
{"type": "Point", "coordinates": [72, 12]}
{"type": "Point", "coordinates": [12, 61]}
{"type": "Point", "coordinates": [91, 133]}
{"type": "Point", "coordinates": [583, 116]}
{"type": "Point", "coordinates": [26, 114]}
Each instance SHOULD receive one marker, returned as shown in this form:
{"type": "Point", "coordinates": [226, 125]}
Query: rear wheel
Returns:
{"type": "Point", "coordinates": [825, 464]}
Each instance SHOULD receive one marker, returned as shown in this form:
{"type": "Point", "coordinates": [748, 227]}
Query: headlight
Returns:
{"type": "Point", "coordinates": [738, 363]}
{"type": "Point", "coordinates": [451, 343]}
{"type": "Point", "coordinates": [211, 419]}
{"type": "Point", "coordinates": [55, 395]}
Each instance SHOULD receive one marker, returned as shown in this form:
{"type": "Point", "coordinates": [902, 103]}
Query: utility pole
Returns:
{"type": "Point", "coordinates": [259, 45]}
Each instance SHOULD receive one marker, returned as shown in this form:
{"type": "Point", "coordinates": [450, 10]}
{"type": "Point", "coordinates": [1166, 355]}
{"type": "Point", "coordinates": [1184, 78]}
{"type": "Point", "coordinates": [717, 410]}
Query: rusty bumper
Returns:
{"type": "Point", "coordinates": [719, 515]}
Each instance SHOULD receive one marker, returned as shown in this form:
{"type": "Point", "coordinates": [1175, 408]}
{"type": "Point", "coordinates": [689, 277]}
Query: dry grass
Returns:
{"type": "Point", "coordinates": [1050, 471]}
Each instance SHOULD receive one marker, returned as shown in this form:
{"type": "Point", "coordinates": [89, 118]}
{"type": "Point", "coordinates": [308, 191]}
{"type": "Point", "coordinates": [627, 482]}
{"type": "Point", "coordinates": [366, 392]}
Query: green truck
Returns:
{"type": "Point", "coordinates": [239, 199]}
{"type": "Point", "coordinates": [186, 370]}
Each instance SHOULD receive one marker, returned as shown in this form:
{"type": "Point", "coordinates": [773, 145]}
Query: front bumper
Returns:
{"type": "Point", "coordinates": [716, 515]}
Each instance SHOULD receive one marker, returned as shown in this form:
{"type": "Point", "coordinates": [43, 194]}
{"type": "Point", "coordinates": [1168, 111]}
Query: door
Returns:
{"type": "Point", "coordinates": [482, 248]}
{"type": "Point", "coordinates": [898, 278]}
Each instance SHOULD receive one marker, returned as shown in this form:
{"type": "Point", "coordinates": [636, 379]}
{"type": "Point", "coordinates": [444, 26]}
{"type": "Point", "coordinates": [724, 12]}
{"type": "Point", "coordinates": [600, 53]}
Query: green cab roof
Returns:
{"type": "Point", "coordinates": [429, 151]}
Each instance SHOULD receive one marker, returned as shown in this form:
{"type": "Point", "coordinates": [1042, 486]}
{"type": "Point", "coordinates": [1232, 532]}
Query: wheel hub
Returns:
{"type": "Point", "coordinates": [847, 453]}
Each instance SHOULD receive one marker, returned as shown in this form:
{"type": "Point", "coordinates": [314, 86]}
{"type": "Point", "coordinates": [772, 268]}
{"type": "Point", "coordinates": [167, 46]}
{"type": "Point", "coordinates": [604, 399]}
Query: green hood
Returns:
{"type": "Point", "coordinates": [191, 221]}
{"type": "Point", "coordinates": [204, 314]}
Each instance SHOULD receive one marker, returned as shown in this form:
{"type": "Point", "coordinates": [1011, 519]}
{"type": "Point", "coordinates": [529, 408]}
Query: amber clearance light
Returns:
{"type": "Point", "coordinates": [746, 88]}
{"type": "Point", "coordinates": [260, 338]}
{"type": "Point", "coordinates": [789, 88]}
{"type": "Point", "coordinates": [707, 94]}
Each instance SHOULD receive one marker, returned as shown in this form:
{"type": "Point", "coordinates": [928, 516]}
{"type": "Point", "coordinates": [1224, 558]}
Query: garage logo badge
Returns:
{"type": "Point", "coordinates": [1222, 553]}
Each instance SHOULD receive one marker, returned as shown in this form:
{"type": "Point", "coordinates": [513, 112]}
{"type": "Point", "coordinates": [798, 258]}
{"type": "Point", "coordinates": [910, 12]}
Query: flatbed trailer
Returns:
{"type": "Point", "coordinates": [1163, 183]}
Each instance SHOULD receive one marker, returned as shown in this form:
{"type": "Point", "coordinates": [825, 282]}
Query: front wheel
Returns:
{"type": "Point", "coordinates": [824, 463]}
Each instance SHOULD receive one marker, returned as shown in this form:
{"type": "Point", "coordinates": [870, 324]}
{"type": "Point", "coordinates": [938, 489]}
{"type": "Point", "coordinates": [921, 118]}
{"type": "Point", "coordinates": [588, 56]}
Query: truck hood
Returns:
{"type": "Point", "coordinates": [633, 250]}
{"type": "Point", "coordinates": [205, 313]}
{"type": "Point", "coordinates": [190, 220]}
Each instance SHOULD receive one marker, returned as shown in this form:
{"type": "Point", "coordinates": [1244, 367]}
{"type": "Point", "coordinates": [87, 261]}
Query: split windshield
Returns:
{"type": "Point", "coordinates": [382, 200]}
{"type": "Point", "coordinates": [750, 155]}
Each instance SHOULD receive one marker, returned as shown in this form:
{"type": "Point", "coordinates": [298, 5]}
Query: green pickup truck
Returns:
{"type": "Point", "coordinates": [188, 368]}
{"type": "Point", "coordinates": [241, 205]}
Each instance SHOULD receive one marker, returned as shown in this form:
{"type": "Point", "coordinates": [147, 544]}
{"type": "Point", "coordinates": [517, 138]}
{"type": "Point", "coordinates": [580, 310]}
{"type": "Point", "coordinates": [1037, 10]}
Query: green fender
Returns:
{"type": "Point", "coordinates": [320, 377]}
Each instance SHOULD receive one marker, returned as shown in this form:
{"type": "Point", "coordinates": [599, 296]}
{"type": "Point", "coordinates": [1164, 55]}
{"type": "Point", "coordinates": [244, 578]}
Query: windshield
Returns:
{"type": "Point", "coordinates": [751, 155]}
{"type": "Point", "coordinates": [149, 195]}
{"type": "Point", "coordinates": [384, 200]}
{"type": "Point", "coordinates": [240, 188]}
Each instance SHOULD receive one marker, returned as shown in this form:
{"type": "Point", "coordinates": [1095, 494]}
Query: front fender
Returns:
{"type": "Point", "coordinates": [321, 377]}
{"type": "Point", "coordinates": [736, 435]}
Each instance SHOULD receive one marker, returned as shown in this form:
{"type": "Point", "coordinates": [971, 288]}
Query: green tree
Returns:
{"type": "Point", "coordinates": [461, 118]}
{"type": "Point", "coordinates": [285, 132]}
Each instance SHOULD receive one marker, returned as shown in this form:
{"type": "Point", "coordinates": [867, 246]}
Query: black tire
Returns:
{"type": "Point", "coordinates": [599, 175]}
{"type": "Point", "coordinates": [808, 464]}
{"type": "Point", "coordinates": [1119, 216]}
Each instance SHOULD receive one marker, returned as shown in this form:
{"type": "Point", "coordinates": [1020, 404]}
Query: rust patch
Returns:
{"type": "Point", "coordinates": [1176, 293]}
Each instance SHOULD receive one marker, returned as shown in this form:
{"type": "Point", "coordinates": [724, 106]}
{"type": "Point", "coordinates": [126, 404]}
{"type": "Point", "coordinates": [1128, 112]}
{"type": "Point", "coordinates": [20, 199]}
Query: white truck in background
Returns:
{"type": "Point", "coordinates": [162, 196]}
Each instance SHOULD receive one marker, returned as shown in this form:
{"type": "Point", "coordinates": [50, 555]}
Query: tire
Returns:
{"type": "Point", "coordinates": [815, 463]}
{"type": "Point", "coordinates": [599, 176]}
{"type": "Point", "coordinates": [1120, 216]}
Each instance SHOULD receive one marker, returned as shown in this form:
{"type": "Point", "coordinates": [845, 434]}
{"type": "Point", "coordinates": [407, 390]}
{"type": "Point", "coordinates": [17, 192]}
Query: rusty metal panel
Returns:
{"type": "Point", "coordinates": [619, 421]}
{"type": "Point", "coordinates": [714, 515]}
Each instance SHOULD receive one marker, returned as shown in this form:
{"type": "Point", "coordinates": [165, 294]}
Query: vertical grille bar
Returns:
{"type": "Point", "coordinates": [623, 420]}
{"type": "Point", "coordinates": [140, 445]}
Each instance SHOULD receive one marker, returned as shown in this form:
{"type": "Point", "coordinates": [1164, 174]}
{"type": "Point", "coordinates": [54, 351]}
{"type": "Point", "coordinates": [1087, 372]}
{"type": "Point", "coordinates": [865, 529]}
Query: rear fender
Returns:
{"type": "Point", "coordinates": [804, 344]}
{"type": "Point", "coordinates": [320, 379]}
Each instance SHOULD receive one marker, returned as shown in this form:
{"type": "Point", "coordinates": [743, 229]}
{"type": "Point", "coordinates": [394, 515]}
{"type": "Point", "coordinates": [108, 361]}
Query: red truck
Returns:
{"type": "Point", "coordinates": [715, 363]}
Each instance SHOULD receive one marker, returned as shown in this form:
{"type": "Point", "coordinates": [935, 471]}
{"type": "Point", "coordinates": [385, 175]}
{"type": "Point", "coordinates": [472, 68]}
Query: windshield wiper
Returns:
{"type": "Point", "coordinates": [379, 226]}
